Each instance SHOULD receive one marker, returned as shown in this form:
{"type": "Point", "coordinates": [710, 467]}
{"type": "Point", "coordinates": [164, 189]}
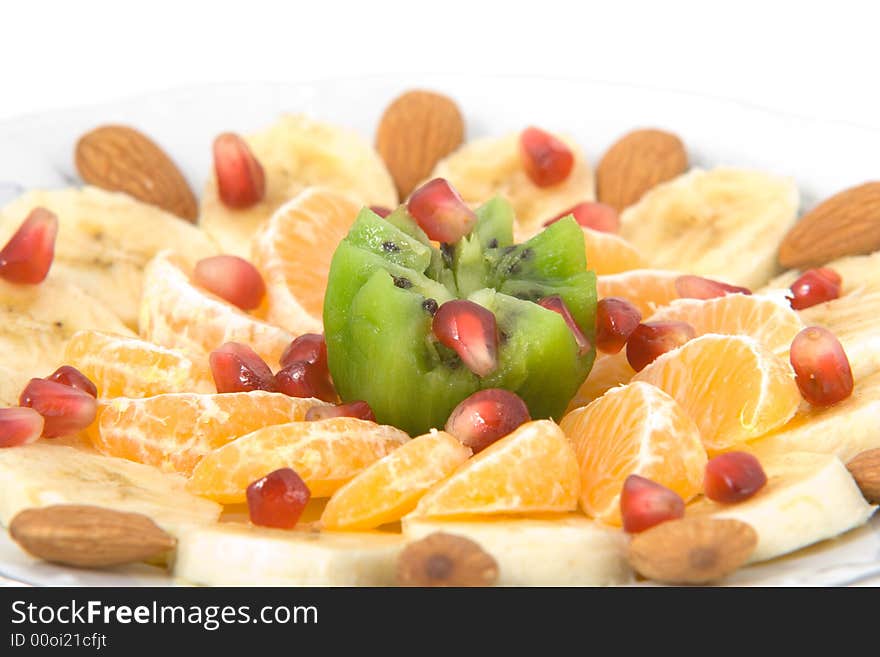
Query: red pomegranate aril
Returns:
{"type": "Point", "coordinates": [310, 347]}
{"type": "Point", "coordinates": [65, 409]}
{"type": "Point", "coordinates": [231, 278]}
{"type": "Point", "coordinates": [592, 214]}
{"type": "Point", "coordinates": [815, 286]}
{"type": "Point", "coordinates": [70, 376]}
{"type": "Point", "coordinates": [697, 287]}
{"type": "Point", "coordinates": [358, 409]}
{"type": "Point", "coordinates": [471, 331]}
{"type": "Point", "coordinates": [278, 499]}
{"type": "Point", "coordinates": [241, 182]}
{"type": "Point", "coordinates": [733, 477]}
{"type": "Point", "coordinates": [27, 256]}
{"type": "Point", "coordinates": [822, 370]}
{"type": "Point", "coordinates": [381, 211]}
{"type": "Point", "coordinates": [645, 503]}
{"type": "Point", "coordinates": [304, 379]}
{"type": "Point", "coordinates": [557, 305]}
{"type": "Point", "coordinates": [20, 426]}
{"type": "Point", "coordinates": [653, 339]}
{"type": "Point", "coordinates": [547, 160]}
{"type": "Point", "coordinates": [485, 416]}
{"type": "Point", "coordinates": [616, 319]}
{"type": "Point", "coordinates": [440, 212]}
{"type": "Point", "coordinates": [237, 368]}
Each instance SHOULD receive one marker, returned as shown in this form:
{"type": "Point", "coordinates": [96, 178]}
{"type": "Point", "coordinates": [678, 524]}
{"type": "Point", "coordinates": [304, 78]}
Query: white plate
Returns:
{"type": "Point", "coordinates": [823, 157]}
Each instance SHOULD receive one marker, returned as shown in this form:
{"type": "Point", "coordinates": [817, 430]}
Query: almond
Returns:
{"type": "Point", "coordinates": [848, 223]}
{"type": "Point", "coordinates": [417, 130]}
{"type": "Point", "coordinates": [865, 469]}
{"type": "Point", "coordinates": [442, 559]}
{"type": "Point", "coordinates": [88, 536]}
{"type": "Point", "coordinates": [121, 159]}
{"type": "Point", "coordinates": [692, 550]}
{"type": "Point", "coordinates": [635, 163]}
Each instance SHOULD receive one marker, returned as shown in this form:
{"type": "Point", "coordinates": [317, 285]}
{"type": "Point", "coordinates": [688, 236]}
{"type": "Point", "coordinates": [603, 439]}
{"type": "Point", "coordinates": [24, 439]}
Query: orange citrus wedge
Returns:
{"type": "Point", "coordinates": [633, 429]}
{"type": "Point", "coordinates": [325, 453]}
{"type": "Point", "coordinates": [734, 388]}
{"type": "Point", "coordinates": [293, 250]}
{"type": "Point", "coordinates": [608, 253]}
{"type": "Point", "coordinates": [609, 371]}
{"type": "Point", "coordinates": [390, 488]}
{"type": "Point", "coordinates": [532, 470]}
{"type": "Point", "coordinates": [177, 314]}
{"type": "Point", "coordinates": [174, 431]}
{"type": "Point", "coordinates": [646, 289]}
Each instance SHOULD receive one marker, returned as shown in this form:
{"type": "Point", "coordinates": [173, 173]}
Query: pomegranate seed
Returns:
{"type": "Point", "coordinates": [440, 212]}
{"type": "Point", "coordinates": [733, 477]}
{"type": "Point", "coordinates": [822, 370]}
{"type": "Point", "coordinates": [304, 379]}
{"type": "Point", "coordinates": [241, 182]}
{"type": "Point", "coordinates": [590, 214]}
{"type": "Point", "coordinates": [278, 499]}
{"type": "Point", "coordinates": [237, 368]}
{"type": "Point", "coordinates": [19, 426]}
{"type": "Point", "coordinates": [231, 278]}
{"type": "Point", "coordinates": [485, 416]}
{"type": "Point", "coordinates": [65, 409]}
{"type": "Point", "coordinates": [557, 305]}
{"type": "Point", "coordinates": [309, 347]}
{"type": "Point", "coordinates": [697, 287]}
{"type": "Point", "coordinates": [815, 286]}
{"type": "Point", "coordinates": [358, 409]}
{"type": "Point", "coordinates": [547, 160]}
{"type": "Point", "coordinates": [645, 503]}
{"type": "Point", "coordinates": [382, 212]}
{"type": "Point", "coordinates": [471, 331]}
{"type": "Point", "coordinates": [653, 339]}
{"type": "Point", "coordinates": [28, 254]}
{"type": "Point", "coordinates": [616, 319]}
{"type": "Point", "coordinates": [70, 376]}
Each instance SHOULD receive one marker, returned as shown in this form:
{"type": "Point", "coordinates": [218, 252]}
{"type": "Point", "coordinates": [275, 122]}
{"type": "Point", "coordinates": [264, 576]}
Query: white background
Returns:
{"type": "Point", "coordinates": [814, 59]}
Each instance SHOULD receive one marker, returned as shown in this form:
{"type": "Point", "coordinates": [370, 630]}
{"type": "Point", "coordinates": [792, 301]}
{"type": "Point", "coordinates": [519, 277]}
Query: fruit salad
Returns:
{"type": "Point", "coordinates": [435, 362]}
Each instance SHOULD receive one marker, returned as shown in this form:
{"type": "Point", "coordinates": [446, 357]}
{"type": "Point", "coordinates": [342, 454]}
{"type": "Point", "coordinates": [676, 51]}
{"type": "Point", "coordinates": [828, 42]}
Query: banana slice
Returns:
{"type": "Point", "coordinates": [808, 498]}
{"type": "Point", "coordinates": [35, 323]}
{"type": "Point", "coordinates": [569, 550]}
{"type": "Point", "coordinates": [105, 239]}
{"type": "Point", "coordinates": [44, 473]}
{"type": "Point", "coordinates": [859, 274]}
{"type": "Point", "coordinates": [844, 430]}
{"type": "Point", "coordinates": [235, 554]}
{"type": "Point", "coordinates": [724, 223]}
{"type": "Point", "coordinates": [484, 168]}
{"type": "Point", "coordinates": [298, 152]}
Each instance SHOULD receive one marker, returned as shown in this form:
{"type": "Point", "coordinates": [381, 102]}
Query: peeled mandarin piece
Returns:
{"type": "Point", "coordinates": [634, 429]}
{"type": "Point", "coordinates": [608, 372]}
{"type": "Point", "coordinates": [325, 453]}
{"type": "Point", "coordinates": [734, 388]}
{"type": "Point", "coordinates": [646, 289]}
{"type": "Point", "coordinates": [532, 470]}
{"type": "Point", "coordinates": [174, 431]}
{"type": "Point", "coordinates": [390, 488]}
{"type": "Point", "coordinates": [608, 253]}
{"type": "Point", "coordinates": [177, 314]}
{"type": "Point", "coordinates": [121, 366]}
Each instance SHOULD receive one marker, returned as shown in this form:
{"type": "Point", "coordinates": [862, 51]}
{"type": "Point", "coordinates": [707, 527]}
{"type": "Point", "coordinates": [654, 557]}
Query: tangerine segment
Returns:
{"type": "Point", "coordinates": [646, 289]}
{"type": "Point", "coordinates": [633, 429]}
{"type": "Point", "coordinates": [293, 250]}
{"type": "Point", "coordinates": [767, 318]}
{"type": "Point", "coordinates": [609, 371]}
{"type": "Point", "coordinates": [177, 314]}
{"type": "Point", "coordinates": [175, 431]}
{"type": "Point", "coordinates": [532, 470]}
{"type": "Point", "coordinates": [608, 253]}
{"type": "Point", "coordinates": [325, 453]}
{"type": "Point", "coordinates": [390, 488]}
{"type": "Point", "coordinates": [128, 367]}
{"type": "Point", "coordinates": [732, 386]}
